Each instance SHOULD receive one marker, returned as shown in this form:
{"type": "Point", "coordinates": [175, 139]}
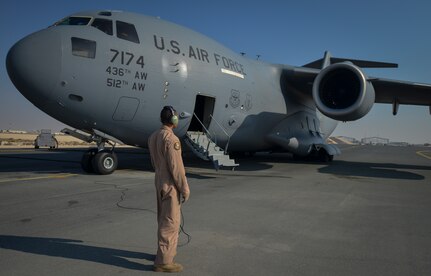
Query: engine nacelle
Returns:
{"type": "Point", "coordinates": [341, 91]}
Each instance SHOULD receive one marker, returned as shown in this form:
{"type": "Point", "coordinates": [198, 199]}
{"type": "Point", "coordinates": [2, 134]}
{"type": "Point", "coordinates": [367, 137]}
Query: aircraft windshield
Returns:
{"type": "Point", "coordinates": [74, 20]}
{"type": "Point", "coordinates": [127, 31]}
{"type": "Point", "coordinates": [104, 25]}
{"type": "Point", "coordinates": [124, 30]}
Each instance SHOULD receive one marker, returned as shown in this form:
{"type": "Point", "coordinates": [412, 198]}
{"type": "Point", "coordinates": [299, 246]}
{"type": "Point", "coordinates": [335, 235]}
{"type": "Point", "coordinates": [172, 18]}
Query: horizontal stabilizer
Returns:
{"type": "Point", "coordinates": [321, 63]}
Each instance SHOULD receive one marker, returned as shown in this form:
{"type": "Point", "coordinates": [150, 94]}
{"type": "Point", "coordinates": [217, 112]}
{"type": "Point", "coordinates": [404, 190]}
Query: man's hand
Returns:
{"type": "Point", "coordinates": [184, 197]}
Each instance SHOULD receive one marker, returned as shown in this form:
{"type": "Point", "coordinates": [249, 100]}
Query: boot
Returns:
{"type": "Point", "coordinates": [174, 267]}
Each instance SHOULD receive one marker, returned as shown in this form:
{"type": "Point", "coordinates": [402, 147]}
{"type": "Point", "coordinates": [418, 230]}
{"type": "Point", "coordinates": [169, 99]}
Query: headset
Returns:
{"type": "Point", "coordinates": [174, 118]}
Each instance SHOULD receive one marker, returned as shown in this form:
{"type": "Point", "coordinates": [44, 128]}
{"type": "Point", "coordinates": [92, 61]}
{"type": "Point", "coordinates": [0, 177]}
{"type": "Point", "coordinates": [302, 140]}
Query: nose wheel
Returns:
{"type": "Point", "coordinates": [105, 162]}
{"type": "Point", "coordinates": [97, 160]}
{"type": "Point", "coordinates": [102, 162]}
{"type": "Point", "coordinates": [87, 160]}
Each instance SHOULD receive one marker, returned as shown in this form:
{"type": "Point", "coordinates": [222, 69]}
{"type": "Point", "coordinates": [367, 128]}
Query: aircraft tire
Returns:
{"type": "Point", "coordinates": [86, 161]}
{"type": "Point", "coordinates": [324, 156]}
{"type": "Point", "coordinates": [105, 162]}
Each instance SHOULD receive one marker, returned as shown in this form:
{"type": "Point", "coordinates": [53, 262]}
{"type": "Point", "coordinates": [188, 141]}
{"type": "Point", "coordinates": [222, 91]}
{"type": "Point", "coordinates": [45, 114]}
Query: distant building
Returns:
{"type": "Point", "coordinates": [14, 131]}
{"type": "Point", "coordinates": [374, 141]}
{"type": "Point", "coordinates": [398, 144]}
{"type": "Point", "coordinates": [341, 140]}
{"type": "Point", "coordinates": [350, 140]}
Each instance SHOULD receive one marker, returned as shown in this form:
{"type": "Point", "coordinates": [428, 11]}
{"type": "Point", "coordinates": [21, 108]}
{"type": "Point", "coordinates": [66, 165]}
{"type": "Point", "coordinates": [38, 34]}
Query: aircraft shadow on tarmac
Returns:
{"type": "Point", "coordinates": [343, 168]}
{"type": "Point", "coordinates": [350, 169]}
{"type": "Point", "coordinates": [38, 162]}
{"type": "Point", "coordinates": [136, 159]}
{"type": "Point", "coordinates": [73, 250]}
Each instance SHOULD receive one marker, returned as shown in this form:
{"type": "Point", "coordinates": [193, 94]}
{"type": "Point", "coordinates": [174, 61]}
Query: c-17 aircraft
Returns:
{"type": "Point", "coordinates": [108, 74]}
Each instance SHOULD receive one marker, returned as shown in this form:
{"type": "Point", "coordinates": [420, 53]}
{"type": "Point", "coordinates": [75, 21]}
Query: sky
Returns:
{"type": "Point", "coordinates": [285, 32]}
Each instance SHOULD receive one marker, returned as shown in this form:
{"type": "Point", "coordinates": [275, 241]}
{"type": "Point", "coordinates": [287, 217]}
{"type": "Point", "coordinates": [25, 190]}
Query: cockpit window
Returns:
{"type": "Point", "coordinates": [83, 47]}
{"type": "Point", "coordinates": [104, 25]}
{"type": "Point", "coordinates": [74, 20]}
{"type": "Point", "coordinates": [127, 31]}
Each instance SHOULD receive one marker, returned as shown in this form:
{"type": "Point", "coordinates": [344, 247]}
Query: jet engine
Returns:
{"type": "Point", "coordinates": [342, 92]}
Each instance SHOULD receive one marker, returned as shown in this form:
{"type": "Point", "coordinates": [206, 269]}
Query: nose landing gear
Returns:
{"type": "Point", "coordinates": [101, 160]}
{"type": "Point", "coordinates": [105, 162]}
{"type": "Point", "coordinates": [98, 160]}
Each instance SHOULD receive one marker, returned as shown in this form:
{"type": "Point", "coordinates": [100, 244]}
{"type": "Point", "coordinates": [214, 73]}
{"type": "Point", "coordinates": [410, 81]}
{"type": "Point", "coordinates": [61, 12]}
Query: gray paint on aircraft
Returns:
{"type": "Point", "coordinates": [92, 80]}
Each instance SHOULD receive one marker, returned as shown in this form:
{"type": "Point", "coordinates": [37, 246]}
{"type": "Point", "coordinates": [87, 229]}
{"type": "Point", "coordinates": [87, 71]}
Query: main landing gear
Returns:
{"type": "Point", "coordinates": [320, 153]}
{"type": "Point", "coordinates": [321, 156]}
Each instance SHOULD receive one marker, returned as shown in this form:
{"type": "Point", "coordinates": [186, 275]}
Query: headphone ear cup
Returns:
{"type": "Point", "coordinates": [174, 120]}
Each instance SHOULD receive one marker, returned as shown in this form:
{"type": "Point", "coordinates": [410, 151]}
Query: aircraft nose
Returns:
{"type": "Point", "coordinates": [33, 64]}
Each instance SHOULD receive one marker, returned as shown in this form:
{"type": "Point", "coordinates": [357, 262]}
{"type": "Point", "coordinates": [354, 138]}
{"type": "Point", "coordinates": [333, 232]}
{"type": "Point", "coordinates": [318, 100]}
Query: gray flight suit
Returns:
{"type": "Point", "coordinates": [171, 184]}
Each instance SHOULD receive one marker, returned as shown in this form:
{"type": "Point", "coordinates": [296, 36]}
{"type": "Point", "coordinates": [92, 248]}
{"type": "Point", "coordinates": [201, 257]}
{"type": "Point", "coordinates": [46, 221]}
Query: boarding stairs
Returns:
{"type": "Point", "coordinates": [204, 146]}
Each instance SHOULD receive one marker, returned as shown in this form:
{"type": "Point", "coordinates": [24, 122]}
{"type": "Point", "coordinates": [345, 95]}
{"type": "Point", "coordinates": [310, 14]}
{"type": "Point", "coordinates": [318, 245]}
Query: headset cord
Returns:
{"type": "Point", "coordinates": [189, 237]}
{"type": "Point", "coordinates": [122, 197]}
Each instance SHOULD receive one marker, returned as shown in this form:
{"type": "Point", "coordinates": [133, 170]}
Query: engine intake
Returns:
{"type": "Point", "coordinates": [341, 91]}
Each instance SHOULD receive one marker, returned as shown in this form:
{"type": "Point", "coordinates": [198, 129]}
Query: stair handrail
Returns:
{"type": "Point", "coordinates": [207, 132]}
{"type": "Point", "coordinates": [225, 132]}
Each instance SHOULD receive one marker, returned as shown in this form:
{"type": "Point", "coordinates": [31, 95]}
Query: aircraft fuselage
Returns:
{"type": "Point", "coordinates": [94, 78]}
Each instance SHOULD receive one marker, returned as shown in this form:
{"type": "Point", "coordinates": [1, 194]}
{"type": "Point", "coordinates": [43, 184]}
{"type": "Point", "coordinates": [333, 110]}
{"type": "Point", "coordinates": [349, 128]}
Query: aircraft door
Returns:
{"type": "Point", "coordinates": [204, 108]}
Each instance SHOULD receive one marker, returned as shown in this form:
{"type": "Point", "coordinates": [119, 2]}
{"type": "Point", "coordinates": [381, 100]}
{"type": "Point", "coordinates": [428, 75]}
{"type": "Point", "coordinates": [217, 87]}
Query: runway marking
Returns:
{"type": "Point", "coordinates": [50, 176]}
{"type": "Point", "coordinates": [425, 154]}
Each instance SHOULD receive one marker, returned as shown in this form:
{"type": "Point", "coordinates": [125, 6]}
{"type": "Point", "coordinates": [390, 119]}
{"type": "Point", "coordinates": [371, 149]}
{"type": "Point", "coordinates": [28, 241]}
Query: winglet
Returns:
{"type": "Point", "coordinates": [328, 60]}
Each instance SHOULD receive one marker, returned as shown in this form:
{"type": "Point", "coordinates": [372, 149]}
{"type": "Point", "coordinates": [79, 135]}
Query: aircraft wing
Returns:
{"type": "Point", "coordinates": [401, 92]}
{"type": "Point", "coordinates": [386, 90]}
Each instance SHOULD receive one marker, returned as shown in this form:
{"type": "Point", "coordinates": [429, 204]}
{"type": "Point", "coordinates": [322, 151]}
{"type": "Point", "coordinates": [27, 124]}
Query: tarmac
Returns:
{"type": "Point", "coordinates": [365, 213]}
